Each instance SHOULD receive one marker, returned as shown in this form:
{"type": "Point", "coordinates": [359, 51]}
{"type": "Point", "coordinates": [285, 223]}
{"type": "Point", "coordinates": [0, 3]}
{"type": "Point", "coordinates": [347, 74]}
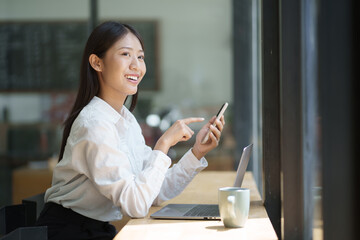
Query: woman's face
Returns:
{"type": "Point", "coordinates": [122, 68]}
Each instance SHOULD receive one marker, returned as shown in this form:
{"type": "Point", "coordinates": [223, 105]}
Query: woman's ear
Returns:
{"type": "Point", "coordinates": [95, 62]}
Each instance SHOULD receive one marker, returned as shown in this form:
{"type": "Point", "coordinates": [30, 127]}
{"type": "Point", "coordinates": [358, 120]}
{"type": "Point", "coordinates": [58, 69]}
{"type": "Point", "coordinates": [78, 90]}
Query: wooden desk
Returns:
{"type": "Point", "coordinates": [203, 189]}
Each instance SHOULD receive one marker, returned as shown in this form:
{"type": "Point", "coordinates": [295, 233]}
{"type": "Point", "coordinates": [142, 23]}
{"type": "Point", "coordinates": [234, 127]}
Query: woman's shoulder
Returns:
{"type": "Point", "coordinates": [90, 118]}
{"type": "Point", "coordinates": [91, 127]}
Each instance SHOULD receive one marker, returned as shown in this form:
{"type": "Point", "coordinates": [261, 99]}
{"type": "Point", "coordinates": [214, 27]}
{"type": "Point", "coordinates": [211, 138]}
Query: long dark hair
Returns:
{"type": "Point", "coordinates": [99, 41]}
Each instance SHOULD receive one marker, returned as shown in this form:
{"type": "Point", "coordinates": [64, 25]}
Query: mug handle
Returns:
{"type": "Point", "coordinates": [231, 200]}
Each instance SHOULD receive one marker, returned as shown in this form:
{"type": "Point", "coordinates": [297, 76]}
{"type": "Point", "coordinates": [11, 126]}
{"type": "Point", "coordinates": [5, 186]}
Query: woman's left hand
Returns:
{"type": "Point", "coordinates": [199, 149]}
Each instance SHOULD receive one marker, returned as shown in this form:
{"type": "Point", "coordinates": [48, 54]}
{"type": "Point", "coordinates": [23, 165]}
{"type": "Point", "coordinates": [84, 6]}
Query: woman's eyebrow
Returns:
{"type": "Point", "coordinates": [130, 48]}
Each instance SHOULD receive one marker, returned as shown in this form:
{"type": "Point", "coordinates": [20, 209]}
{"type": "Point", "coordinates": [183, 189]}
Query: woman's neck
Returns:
{"type": "Point", "coordinates": [115, 101]}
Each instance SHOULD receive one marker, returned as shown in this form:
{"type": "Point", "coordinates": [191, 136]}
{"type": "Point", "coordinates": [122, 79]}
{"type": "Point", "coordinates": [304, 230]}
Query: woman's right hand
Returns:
{"type": "Point", "coordinates": [179, 131]}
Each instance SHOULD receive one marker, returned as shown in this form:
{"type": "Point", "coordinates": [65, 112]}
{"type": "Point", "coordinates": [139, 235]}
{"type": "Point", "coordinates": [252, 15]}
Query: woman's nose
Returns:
{"type": "Point", "coordinates": [134, 63]}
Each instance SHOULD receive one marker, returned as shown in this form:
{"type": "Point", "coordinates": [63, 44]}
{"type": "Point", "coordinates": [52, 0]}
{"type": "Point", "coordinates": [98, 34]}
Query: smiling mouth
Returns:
{"type": "Point", "coordinates": [132, 78]}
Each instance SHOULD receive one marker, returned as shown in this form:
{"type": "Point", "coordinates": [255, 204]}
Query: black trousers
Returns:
{"type": "Point", "coordinates": [65, 224]}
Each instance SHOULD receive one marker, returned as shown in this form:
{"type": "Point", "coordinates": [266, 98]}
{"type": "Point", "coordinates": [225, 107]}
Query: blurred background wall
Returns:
{"type": "Point", "coordinates": [195, 44]}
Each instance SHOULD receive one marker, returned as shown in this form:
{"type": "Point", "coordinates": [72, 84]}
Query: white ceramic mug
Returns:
{"type": "Point", "coordinates": [234, 204]}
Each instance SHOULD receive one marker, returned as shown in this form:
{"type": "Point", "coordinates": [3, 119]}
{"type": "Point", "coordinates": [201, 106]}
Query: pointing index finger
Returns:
{"type": "Point", "coordinates": [192, 119]}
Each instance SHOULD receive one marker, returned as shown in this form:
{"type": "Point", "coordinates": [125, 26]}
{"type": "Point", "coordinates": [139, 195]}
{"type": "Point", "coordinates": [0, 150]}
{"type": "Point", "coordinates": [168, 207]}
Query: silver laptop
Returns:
{"type": "Point", "coordinates": [203, 211]}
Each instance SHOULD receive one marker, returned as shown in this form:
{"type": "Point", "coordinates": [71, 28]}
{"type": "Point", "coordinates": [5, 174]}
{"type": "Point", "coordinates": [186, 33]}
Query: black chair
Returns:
{"type": "Point", "coordinates": [17, 221]}
{"type": "Point", "coordinates": [33, 207]}
{"type": "Point", "coordinates": [11, 218]}
{"type": "Point", "coordinates": [27, 233]}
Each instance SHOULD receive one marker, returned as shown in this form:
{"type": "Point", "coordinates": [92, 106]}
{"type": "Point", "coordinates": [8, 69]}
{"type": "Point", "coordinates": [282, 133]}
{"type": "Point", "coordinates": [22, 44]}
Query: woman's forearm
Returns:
{"type": "Point", "coordinates": [162, 145]}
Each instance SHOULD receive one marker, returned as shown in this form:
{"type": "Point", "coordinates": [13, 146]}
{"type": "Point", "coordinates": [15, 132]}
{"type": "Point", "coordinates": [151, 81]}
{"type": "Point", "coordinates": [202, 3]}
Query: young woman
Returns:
{"type": "Point", "coordinates": [105, 169]}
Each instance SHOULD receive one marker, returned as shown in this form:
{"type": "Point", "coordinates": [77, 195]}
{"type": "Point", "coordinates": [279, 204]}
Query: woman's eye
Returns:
{"type": "Point", "coordinates": [125, 54]}
{"type": "Point", "coordinates": [142, 57]}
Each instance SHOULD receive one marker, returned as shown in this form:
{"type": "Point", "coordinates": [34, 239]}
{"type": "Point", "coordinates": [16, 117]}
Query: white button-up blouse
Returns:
{"type": "Point", "coordinates": [107, 169]}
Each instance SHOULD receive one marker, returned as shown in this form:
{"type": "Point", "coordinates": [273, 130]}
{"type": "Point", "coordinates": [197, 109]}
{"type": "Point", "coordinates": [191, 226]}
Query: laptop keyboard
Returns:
{"type": "Point", "coordinates": [204, 210]}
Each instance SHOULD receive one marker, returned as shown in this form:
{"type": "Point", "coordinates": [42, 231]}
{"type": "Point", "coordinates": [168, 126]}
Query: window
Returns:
{"type": "Point", "coordinates": [309, 125]}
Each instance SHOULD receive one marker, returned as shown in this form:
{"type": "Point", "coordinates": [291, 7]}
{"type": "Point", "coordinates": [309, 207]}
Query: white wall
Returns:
{"type": "Point", "coordinates": [195, 42]}
{"type": "Point", "coordinates": [43, 9]}
{"type": "Point", "coordinates": [196, 46]}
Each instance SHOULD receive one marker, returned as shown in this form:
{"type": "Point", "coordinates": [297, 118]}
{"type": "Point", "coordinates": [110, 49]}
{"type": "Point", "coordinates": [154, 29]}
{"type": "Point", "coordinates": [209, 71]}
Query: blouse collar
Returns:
{"type": "Point", "coordinates": [110, 113]}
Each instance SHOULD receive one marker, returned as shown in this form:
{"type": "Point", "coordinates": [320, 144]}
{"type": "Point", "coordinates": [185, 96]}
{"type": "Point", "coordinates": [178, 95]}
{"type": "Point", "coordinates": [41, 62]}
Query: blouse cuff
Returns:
{"type": "Point", "coordinates": [190, 161]}
{"type": "Point", "coordinates": [161, 160]}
